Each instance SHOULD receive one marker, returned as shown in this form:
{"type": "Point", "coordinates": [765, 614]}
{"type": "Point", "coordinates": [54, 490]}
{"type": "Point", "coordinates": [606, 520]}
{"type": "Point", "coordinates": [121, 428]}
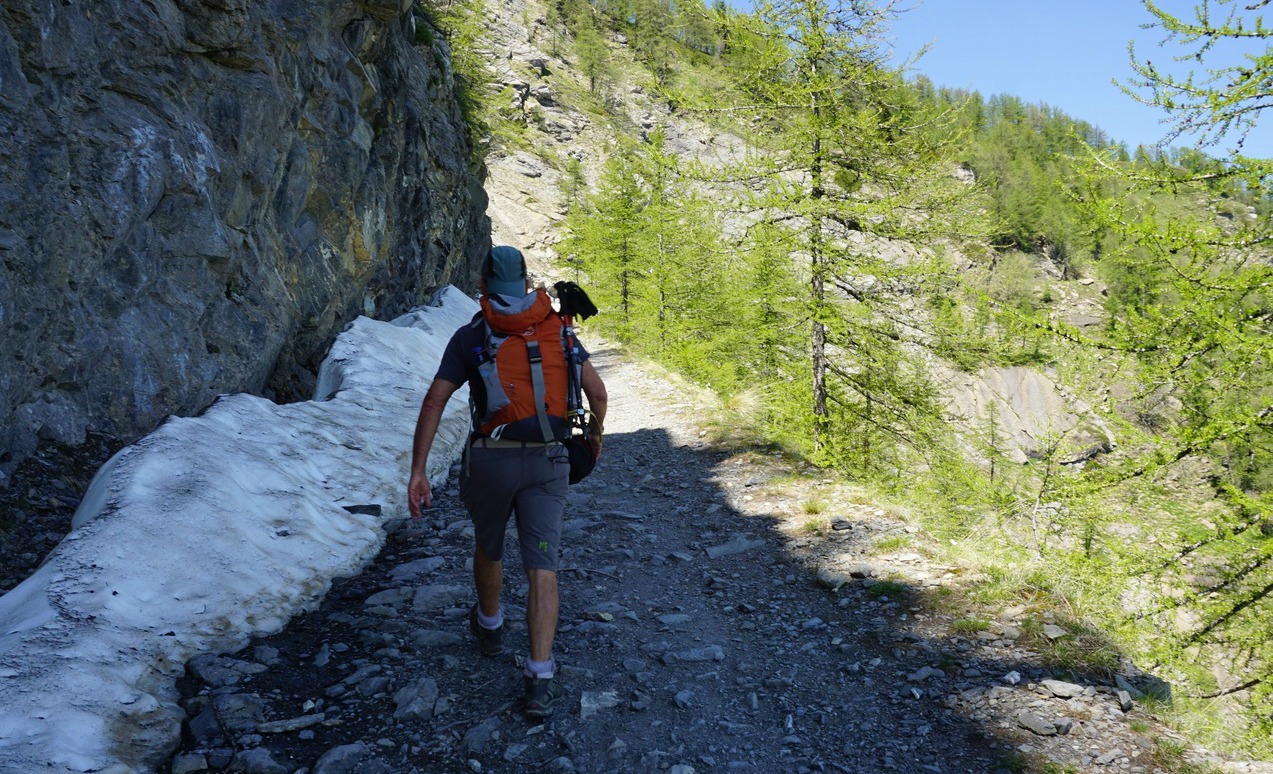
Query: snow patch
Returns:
{"type": "Point", "coordinates": [207, 532]}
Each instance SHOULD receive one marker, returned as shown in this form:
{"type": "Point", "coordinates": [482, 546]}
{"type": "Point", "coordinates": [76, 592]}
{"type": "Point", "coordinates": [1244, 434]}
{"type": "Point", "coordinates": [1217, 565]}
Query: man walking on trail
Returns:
{"type": "Point", "coordinates": [515, 462]}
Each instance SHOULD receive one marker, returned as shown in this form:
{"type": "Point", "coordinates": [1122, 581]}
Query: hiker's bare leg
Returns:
{"type": "Point", "coordinates": [488, 577]}
{"type": "Point", "coordinates": [541, 613]}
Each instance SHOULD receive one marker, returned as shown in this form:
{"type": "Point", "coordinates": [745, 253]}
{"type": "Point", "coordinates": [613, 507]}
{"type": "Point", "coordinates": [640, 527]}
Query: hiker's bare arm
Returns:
{"type": "Point", "coordinates": [426, 426]}
{"type": "Point", "coordinates": [595, 390]}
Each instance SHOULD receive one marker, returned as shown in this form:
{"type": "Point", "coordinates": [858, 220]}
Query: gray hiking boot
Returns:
{"type": "Point", "coordinates": [541, 694]}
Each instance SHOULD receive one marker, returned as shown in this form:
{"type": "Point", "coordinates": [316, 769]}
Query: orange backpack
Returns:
{"type": "Point", "coordinates": [523, 369]}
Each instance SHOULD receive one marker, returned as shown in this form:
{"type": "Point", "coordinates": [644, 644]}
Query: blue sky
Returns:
{"type": "Point", "coordinates": [1064, 53]}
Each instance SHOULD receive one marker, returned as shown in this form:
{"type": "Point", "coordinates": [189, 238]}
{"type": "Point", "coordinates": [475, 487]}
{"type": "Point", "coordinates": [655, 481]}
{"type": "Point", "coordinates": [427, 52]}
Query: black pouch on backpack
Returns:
{"type": "Point", "coordinates": [583, 458]}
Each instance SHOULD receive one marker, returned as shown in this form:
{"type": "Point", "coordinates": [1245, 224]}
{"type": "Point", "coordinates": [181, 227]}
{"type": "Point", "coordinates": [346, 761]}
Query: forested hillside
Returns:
{"type": "Point", "coordinates": [873, 272]}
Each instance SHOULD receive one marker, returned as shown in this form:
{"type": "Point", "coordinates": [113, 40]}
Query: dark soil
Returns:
{"type": "Point", "coordinates": [41, 497]}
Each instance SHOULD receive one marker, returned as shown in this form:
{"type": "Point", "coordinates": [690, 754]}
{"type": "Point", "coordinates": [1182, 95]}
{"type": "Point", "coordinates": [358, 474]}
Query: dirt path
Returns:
{"type": "Point", "coordinates": [694, 636]}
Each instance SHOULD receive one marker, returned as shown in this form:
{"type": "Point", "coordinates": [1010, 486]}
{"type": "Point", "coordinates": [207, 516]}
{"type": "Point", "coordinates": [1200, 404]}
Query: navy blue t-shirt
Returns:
{"type": "Point", "coordinates": [459, 363]}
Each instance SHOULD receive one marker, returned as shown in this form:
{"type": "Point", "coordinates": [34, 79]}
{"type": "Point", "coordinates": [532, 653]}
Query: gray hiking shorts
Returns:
{"type": "Point", "coordinates": [506, 478]}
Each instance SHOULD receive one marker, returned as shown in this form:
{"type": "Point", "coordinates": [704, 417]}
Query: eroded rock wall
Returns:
{"type": "Point", "coordinates": [197, 195]}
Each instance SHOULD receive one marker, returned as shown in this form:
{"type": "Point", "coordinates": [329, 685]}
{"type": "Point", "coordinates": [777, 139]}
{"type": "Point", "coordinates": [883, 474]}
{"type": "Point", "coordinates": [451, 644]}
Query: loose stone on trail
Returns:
{"type": "Point", "coordinates": [1062, 689]}
{"type": "Point", "coordinates": [733, 547]}
{"type": "Point", "coordinates": [429, 599]}
{"type": "Point", "coordinates": [590, 702]}
{"type": "Point", "coordinates": [417, 568]}
{"type": "Point", "coordinates": [1035, 724]}
{"type": "Point", "coordinates": [832, 579]}
{"type": "Point", "coordinates": [294, 724]}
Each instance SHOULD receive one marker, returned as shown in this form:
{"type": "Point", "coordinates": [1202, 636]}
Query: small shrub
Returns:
{"type": "Point", "coordinates": [1014, 761]}
{"type": "Point", "coordinates": [1083, 649]}
{"type": "Point", "coordinates": [943, 599]}
{"type": "Point", "coordinates": [969, 626]}
{"type": "Point", "coordinates": [887, 588]}
{"type": "Point", "coordinates": [814, 527]}
{"type": "Point", "coordinates": [813, 507]}
{"type": "Point", "coordinates": [1015, 281]}
{"type": "Point", "coordinates": [893, 543]}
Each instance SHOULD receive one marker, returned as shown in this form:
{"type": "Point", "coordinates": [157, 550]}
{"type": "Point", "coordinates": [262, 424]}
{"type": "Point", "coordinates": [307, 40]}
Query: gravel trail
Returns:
{"type": "Point", "coordinates": [691, 639]}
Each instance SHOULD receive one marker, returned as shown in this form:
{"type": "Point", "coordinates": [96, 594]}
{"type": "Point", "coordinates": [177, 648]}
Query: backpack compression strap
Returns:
{"type": "Point", "coordinates": [537, 382]}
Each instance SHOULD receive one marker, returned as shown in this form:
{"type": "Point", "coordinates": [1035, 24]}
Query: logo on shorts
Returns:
{"type": "Point", "coordinates": [543, 545]}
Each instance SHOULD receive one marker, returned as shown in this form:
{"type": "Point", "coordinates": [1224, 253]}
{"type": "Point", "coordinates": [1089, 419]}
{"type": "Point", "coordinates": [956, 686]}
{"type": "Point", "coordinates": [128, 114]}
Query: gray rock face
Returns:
{"type": "Point", "coordinates": [197, 195]}
{"type": "Point", "coordinates": [1028, 412]}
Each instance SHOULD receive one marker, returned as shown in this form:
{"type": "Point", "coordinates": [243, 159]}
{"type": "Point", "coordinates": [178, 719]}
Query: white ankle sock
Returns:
{"type": "Point", "coordinates": [490, 621]}
{"type": "Point", "coordinates": [544, 670]}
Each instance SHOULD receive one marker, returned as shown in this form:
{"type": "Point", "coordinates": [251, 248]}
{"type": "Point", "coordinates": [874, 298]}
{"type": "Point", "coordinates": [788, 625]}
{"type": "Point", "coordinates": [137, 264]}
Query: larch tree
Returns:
{"type": "Point", "coordinates": [603, 235]}
{"type": "Point", "coordinates": [1190, 266]}
{"type": "Point", "coordinates": [650, 245]}
{"type": "Point", "coordinates": [846, 158]}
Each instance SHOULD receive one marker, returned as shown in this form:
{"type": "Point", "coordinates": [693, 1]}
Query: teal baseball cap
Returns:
{"type": "Point", "coordinates": [505, 271]}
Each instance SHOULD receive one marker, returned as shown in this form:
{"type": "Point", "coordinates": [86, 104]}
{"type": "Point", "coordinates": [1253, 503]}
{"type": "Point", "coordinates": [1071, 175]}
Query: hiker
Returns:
{"type": "Point", "coordinates": [515, 462]}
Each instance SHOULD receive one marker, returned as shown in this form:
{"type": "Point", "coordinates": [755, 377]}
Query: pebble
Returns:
{"type": "Point", "coordinates": [408, 571]}
{"type": "Point", "coordinates": [737, 546]}
{"type": "Point", "coordinates": [416, 701]}
{"type": "Point", "coordinates": [433, 598]}
{"type": "Point", "coordinates": [477, 737]}
{"type": "Point", "coordinates": [1054, 632]}
{"type": "Point", "coordinates": [1035, 724]}
{"type": "Point", "coordinates": [294, 724]}
{"type": "Point", "coordinates": [705, 653]}
{"type": "Point", "coordinates": [258, 761]}
{"type": "Point", "coordinates": [923, 673]}
{"type": "Point", "coordinates": [832, 579]}
{"type": "Point", "coordinates": [1062, 689]}
{"type": "Point", "coordinates": [590, 702]}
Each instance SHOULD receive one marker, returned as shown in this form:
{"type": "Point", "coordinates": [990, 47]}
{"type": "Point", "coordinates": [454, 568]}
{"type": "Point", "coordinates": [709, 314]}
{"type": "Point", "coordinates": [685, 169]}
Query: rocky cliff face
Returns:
{"type": "Point", "coordinates": [197, 195]}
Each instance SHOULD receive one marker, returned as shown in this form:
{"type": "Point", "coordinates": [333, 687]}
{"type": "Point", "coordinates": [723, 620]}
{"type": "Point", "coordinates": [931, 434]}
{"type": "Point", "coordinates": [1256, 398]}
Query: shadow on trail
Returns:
{"type": "Point", "coordinates": [691, 635]}
{"type": "Point", "coordinates": [833, 663]}
{"type": "Point", "coordinates": [817, 676]}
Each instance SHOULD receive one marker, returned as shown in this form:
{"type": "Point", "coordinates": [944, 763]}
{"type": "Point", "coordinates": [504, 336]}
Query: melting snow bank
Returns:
{"type": "Point", "coordinates": [207, 532]}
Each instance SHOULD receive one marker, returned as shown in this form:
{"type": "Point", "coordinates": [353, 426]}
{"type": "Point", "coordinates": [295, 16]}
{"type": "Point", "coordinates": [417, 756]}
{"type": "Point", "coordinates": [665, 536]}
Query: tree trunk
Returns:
{"type": "Point", "coordinates": [817, 288]}
{"type": "Point", "coordinates": [624, 291]}
{"type": "Point", "coordinates": [662, 294]}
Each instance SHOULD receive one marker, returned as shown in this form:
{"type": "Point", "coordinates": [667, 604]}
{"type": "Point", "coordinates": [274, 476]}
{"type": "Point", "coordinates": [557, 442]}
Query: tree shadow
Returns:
{"type": "Point", "coordinates": [895, 676]}
{"type": "Point", "coordinates": [695, 630]}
